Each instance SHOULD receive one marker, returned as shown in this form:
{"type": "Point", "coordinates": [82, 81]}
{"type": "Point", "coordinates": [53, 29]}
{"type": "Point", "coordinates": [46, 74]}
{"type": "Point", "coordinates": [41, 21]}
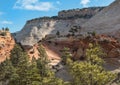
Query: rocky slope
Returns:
{"type": "Point", "coordinates": [53, 56]}
{"type": "Point", "coordinates": [107, 21]}
{"type": "Point", "coordinates": [36, 29]}
{"type": "Point", "coordinates": [6, 45]}
{"type": "Point", "coordinates": [78, 46]}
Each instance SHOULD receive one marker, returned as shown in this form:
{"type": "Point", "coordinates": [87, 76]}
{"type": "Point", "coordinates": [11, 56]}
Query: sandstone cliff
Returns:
{"type": "Point", "coordinates": [36, 29]}
{"type": "Point", "coordinates": [6, 45]}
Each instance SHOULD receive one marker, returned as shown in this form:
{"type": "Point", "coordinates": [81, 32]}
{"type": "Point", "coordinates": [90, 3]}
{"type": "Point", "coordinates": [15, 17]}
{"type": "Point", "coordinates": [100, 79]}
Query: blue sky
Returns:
{"type": "Point", "coordinates": [15, 13]}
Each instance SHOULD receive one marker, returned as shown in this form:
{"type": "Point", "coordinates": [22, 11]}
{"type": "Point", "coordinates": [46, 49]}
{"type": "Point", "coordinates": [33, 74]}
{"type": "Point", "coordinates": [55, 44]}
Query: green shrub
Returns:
{"type": "Point", "coordinates": [6, 29]}
{"type": "Point", "coordinates": [3, 34]}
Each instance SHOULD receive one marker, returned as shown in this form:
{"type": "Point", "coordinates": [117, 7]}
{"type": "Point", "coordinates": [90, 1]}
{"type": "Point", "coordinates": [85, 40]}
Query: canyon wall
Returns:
{"type": "Point", "coordinates": [36, 29]}
{"type": "Point", "coordinates": [106, 21]}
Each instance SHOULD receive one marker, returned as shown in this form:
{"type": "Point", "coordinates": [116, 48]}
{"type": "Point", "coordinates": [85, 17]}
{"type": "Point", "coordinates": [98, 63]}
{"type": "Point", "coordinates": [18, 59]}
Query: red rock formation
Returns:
{"type": "Point", "coordinates": [6, 45]}
{"type": "Point", "coordinates": [78, 46]}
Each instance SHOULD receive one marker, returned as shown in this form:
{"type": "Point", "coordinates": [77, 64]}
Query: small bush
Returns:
{"type": "Point", "coordinates": [6, 29]}
{"type": "Point", "coordinates": [3, 34]}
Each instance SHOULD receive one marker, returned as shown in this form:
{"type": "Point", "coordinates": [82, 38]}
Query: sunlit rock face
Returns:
{"type": "Point", "coordinates": [106, 21]}
{"type": "Point", "coordinates": [36, 29]}
{"type": "Point", "coordinates": [6, 45]}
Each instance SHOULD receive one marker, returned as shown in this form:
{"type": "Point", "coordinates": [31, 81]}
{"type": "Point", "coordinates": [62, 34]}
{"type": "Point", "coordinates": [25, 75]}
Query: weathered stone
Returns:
{"type": "Point", "coordinates": [6, 45]}
{"type": "Point", "coordinates": [114, 53]}
{"type": "Point", "coordinates": [36, 29]}
{"type": "Point", "coordinates": [106, 21]}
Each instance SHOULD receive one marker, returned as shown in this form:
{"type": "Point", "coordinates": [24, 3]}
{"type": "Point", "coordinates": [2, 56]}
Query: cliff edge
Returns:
{"type": "Point", "coordinates": [36, 29]}
{"type": "Point", "coordinates": [6, 44]}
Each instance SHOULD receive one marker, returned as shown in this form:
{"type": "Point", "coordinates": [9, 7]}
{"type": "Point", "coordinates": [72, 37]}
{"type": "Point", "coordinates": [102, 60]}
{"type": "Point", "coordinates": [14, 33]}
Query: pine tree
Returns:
{"type": "Point", "coordinates": [66, 55]}
{"type": "Point", "coordinates": [94, 55]}
{"type": "Point", "coordinates": [6, 71]}
{"type": "Point", "coordinates": [85, 73]}
{"type": "Point", "coordinates": [32, 75]}
{"type": "Point", "coordinates": [42, 62]}
{"type": "Point", "coordinates": [27, 71]}
{"type": "Point", "coordinates": [6, 29]}
{"type": "Point", "coordinates": [16, 55]}
{"type": "Point", "coordinates": [19, 70]}
{"type": "Point", "coordinates": [47, 76]}
{"type": "Point", "coordinates": [90, 72]}
{"type": "Point", "coordinates": [58, 33]}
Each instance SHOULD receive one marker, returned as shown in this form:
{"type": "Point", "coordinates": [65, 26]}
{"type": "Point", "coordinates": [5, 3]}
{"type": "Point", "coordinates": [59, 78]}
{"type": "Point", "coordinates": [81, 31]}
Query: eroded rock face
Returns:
{"type": "Point", "coordinates": [78, 47]}
{"type": "Point", "coordinates": [115, 52]}
{"type": "Point", "coordinates": [6, 45]}
{"type": "Point", "coordinates": [85, 12]}
{"type": "Point", "coordinates": [109, 45]}
{"type": "Point", "coordinates": [36, 29]}
{"type": "Point", "coordinates": [106, 21]}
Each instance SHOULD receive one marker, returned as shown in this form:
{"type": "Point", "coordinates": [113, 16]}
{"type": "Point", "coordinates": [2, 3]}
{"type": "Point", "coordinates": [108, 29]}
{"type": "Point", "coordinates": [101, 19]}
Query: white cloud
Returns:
{"type": "Point", "coordinates": [58, 2]}
{"type": "Point", "coordinates": [6, 22]}
{"type": "Point", "coordinates": [85, 2]}
{"type": "Point", "coordinates": [33, 5]}
{"type": "Point", "coordinates": [1, 13]}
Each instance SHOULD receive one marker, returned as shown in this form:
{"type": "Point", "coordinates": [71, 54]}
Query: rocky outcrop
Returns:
{"type": "Point", "coordinates": [36, 29]}
{"type": "Point", "coordinates": [6, 45]}
{"type": "Point", "coordinates": [52, 55]}
{"type": "Point", "coordinates": [81, 13]}
{"type": "Point", "coordinates": [78, 46]}
{"type": "Point", "coordinates": [106, 21]}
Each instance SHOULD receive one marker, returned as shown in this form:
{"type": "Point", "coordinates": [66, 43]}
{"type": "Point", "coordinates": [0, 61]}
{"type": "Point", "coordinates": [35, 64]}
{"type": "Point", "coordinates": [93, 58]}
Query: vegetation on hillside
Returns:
{"type": "Point", "coordinates": [89, 71]}
{"type": "Point", "coordinates": [19, 70]}
{"type": "Point", "coordinates": [4, 31]}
